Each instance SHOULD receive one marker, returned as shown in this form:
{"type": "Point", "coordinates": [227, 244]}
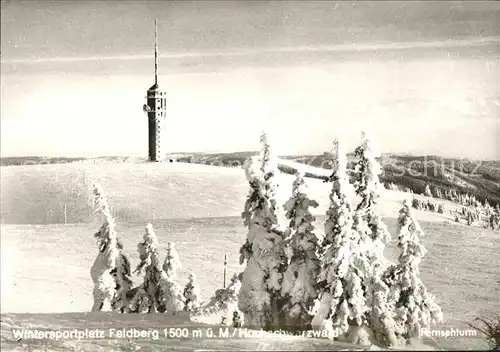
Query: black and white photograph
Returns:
{"type": "Point", "coordinates": [250, 175]}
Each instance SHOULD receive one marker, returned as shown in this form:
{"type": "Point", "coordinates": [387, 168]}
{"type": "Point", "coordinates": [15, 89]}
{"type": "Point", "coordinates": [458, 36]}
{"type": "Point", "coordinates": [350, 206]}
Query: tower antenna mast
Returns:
{"type": "Point", "coordinates": [156, 51]}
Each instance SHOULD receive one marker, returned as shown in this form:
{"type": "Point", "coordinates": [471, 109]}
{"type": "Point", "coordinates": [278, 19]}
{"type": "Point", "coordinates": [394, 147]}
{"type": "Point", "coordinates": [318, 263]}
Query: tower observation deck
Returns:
{"type": "Point", "coordinates": [155, 108]}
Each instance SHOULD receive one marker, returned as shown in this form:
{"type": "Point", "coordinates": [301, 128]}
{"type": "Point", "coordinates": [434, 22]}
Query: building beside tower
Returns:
{"type": "Point", "coordinates": [155, 107]}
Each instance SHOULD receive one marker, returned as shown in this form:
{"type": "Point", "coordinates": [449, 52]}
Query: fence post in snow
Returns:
{"type": "Point", "coordinates": [225, 264]}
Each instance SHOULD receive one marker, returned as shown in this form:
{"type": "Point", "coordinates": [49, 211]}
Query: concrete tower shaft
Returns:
{"type": "Point", "coordinates": [155, 107]}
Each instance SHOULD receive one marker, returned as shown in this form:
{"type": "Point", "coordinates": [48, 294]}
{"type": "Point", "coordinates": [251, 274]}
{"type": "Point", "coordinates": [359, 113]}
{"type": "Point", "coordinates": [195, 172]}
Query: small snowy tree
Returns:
{"type": "Point", "coordinates": [299, 281]}
{"type": "Point", "coordinates": [230, 299]}
{"type": "Point", "coordinates": [427, 191]}
{"type": "Point", "coordinates": [139, 300]}
{"type": "Point", "coordinates": [111, 269]}
{"type": "Point", "coordinates": [494, 220]}
{"type": "Point", "coordinates": [225, 301]}
{"type": "Point", "coordinates": [431, 206]}
{"type": "Point", "coordinates": [155, 278]}
{"type": "Point", "coordinates": [260, 297]}
{"type": "Point", "coordinates": [191, 294]}
{"type": "Point", "coordinates": [414, 307]}
{"type": "Point", "coordinates": [341, 296]}
{"type": "Point", "coordinates": [415, 203]}
{"type": "Point", "coordinates": [487, 207]}
{"type": "Point", "coordinates": [437, 192]}
{"type": "Point", "coordinates": [172, 262]}
{"type": "Point", "coordinates": [470, 219]}
{"type": "Point", "coordinates": [174, 298]}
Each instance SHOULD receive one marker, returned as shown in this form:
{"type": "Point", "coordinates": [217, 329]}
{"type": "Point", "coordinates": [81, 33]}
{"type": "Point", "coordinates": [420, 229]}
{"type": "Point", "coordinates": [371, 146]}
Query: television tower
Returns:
{"type": "Point", "coordinates": [155, 108]}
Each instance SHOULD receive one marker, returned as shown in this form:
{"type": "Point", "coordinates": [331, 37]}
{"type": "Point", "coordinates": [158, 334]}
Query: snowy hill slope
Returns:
{"type": "Point", "coordinates": [165, 332]}
{"type": "Point", "coordinates": [198, 208]}
{"type": "Point", "coordinates": [38, 194]}
{"type": "Point", "coordinates": [181, 333]}
{"type": "Point", "coordinates": [55, 260]}
{"type": "Point", "coordinates": [107, 331]}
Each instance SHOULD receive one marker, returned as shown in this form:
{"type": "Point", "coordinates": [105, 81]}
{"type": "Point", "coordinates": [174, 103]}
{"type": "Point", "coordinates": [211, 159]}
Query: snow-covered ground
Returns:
{"type": "Point", "coordinates": [46, 268]}
{"type": "Point", "coordinates": [183, 335]}
{"type": "Point", "coordinates": [37, 194]}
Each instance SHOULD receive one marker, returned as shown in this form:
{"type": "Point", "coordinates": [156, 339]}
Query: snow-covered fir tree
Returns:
{"type": "Point", "coordinates": [447, 194]}
{"type": "Point", "coordinates": [427, 191]}
{"type": "Point", "coordinates": [470, 218]}
{"type": "Point", "coordinates": [224, 304]}
{"type": "Point", "coordinates": [191, 294]}
{"type": "Point", "coordinates": [260, 297]}
{"type": "Point", "coordinates": [494, 220]}
{"type": "Point", "coordinates": [467, 200]}
{"type": "Point", "coordinates": [494, 217]}
{"type": "Point", "coordinates": [341, 299]}
{"type": "Point", "coordinates": [373, 236]}
{"type": "Point", "coordinates": [139, 301]}
{"type": "Point", "coordinates": [367, 187]}
{"type": "Point", "coordinates": [487, 207]}
{"type": "Point", "coordinates": [155, 279]}
{"type": "Point", "coordinates": [172, 262]}
{"type": "Point", "coordinates": [381, 314]}
{"type": "Point", "coordinates": [111, 269]}
{"type": "Point", "coordinates": [229, 299]}
{"type": "Point", "coordinates": [174, 297]}
{"type": "Point", "coordinates": [437, 192]}
{"type": "Point", "coordinates": [299, 281]}
{"type": "Point", "coordinates": [414, 307]}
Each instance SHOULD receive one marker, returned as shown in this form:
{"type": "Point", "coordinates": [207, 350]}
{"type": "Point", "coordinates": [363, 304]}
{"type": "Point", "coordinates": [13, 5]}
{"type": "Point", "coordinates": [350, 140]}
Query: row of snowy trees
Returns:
{"type": "Point", "coordinates": [159, 290]}
{"type": "Point", "coordinates": [293, 279]}
{"type": "Point", "coordinates": [478, 217]}
{"type": "Point", "coordinates": [463, 199]}
{"type": "Point", "coordinates": [342, 282]}
{"type": "Point", "coordinates": [474, 213]}
{"type": "Point", "coordinates": [421, 204]}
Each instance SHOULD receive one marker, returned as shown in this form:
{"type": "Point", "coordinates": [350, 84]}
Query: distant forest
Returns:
{"type": "Point", "coordinates": [478, 178]}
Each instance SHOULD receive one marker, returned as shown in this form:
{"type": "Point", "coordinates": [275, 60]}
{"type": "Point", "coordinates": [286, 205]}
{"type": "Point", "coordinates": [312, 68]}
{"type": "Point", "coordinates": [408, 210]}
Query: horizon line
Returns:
{"type": "Point", "coordinates": [400, 154]}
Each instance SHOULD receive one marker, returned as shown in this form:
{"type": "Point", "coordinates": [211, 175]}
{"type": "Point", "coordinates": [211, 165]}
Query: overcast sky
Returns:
{"type": "Point", "coordinates": [421, 77]}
